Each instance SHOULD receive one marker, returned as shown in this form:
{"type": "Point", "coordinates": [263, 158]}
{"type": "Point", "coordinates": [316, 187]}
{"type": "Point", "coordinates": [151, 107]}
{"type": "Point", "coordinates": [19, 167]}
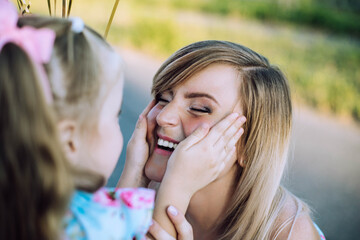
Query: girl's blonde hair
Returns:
{"type": "Point", "coordinates": [266, 103]}
{"type": "Point", "coordinates": [35, 180]}
{"type": "Point", "coordinates": [81, 73]}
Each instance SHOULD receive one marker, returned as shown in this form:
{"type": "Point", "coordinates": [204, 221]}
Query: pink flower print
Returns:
{"type": "Point", "coordinates": [106, 197]}
{"type": "Point", "coordinates": [138, 198]}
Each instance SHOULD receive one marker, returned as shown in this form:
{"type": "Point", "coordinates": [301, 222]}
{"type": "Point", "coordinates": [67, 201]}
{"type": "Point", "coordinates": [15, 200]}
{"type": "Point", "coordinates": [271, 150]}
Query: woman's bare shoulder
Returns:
{"type": "Point", "coordinates": [295, 222]}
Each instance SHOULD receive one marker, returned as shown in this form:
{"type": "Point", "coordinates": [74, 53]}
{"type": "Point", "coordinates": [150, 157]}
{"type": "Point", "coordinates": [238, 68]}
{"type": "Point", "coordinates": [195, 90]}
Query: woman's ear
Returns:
{"type": "Point", "coordinates": [68, 138]}
{"type": "Point", "coordinates": [241, 160]}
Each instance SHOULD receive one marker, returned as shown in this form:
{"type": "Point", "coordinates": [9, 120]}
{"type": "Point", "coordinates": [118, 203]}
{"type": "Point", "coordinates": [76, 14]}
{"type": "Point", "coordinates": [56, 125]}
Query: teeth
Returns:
{"type": "Point", "coordinates": [164, 143]}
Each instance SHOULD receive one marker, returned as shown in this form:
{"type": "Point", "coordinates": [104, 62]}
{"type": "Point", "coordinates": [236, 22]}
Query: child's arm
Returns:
{"type": "Point", "coordinates": [137, 153]}
{"type": "Point", "coordinates": [184, 176]}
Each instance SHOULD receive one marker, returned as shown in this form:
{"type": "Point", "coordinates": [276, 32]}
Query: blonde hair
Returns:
{"type": "Point", "coordinates": [80, 76]}
{"type": "Point", "coordinates": [266, 102]}
{"type": "Point", "coordinates": [35, 180]}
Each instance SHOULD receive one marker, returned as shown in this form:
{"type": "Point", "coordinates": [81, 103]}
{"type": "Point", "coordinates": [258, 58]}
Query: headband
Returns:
{"type": "Point", "coordinates": [37, 43]}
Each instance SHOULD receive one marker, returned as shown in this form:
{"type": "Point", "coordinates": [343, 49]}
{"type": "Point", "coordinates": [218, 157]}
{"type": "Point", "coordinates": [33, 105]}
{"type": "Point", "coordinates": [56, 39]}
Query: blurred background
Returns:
{"type": "Point", "coordinates": [315, 42]}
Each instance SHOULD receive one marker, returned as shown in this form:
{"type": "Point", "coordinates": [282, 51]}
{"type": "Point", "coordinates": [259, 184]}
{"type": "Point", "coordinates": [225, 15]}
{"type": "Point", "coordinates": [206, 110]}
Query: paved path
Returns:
{"type": "Point", "coordinates": [324, 169]}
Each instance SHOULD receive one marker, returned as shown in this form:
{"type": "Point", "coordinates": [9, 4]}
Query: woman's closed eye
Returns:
{"type": "Point", "coordinates": [201, 110]}
{"type": "Point", "coordinates": [162, 100]}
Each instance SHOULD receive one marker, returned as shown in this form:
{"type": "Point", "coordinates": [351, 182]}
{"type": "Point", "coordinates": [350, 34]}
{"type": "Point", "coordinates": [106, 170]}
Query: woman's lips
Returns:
{"type": "Point", "coordinates": [167, 138]}
{"type": "Point", "coordinates": [162, 151]}
{"type": "Point", "coordinates": [165, 145]}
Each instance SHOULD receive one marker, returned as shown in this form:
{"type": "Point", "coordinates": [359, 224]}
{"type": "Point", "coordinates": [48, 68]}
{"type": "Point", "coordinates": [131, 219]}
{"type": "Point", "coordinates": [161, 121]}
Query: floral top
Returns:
{"type": "Point", "coordinates": [109, 213]}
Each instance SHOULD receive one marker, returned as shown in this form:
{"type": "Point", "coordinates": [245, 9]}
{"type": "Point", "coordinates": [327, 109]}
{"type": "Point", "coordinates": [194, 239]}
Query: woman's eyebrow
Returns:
{"type": "Point", "coordinates": [199, 95]}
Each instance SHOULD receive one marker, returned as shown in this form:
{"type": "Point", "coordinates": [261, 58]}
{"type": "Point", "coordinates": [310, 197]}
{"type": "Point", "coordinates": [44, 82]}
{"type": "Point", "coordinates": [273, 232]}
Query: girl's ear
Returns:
{"type": "Point", "coordinates": [69, 139]}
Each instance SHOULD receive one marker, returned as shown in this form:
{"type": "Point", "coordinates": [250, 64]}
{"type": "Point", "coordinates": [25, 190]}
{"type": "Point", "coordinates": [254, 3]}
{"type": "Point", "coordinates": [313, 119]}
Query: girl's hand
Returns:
{"type": "Point", "coordinates": [137, 153]}
{"type": "Point", "coordinates": [200, 158]}
{"type": "Point", "coordinates": [182, 227]}
{"type": "Point", "coordinates": [197, 161]}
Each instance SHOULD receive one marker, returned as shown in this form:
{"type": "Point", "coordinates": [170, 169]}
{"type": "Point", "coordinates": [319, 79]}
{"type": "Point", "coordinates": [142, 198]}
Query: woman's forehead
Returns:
{"type": "Point", "coordinates": [218, 80]}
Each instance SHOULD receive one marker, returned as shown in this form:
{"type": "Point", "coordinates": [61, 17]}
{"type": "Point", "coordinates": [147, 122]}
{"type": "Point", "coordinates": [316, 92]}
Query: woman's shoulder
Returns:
{"type": "Point", "coordinates": [294, 220]}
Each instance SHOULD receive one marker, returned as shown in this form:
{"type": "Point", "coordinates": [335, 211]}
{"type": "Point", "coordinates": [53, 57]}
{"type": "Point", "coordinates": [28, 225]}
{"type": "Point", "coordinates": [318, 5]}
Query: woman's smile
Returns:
{"type": "Point", "coordinates": [165, 145]}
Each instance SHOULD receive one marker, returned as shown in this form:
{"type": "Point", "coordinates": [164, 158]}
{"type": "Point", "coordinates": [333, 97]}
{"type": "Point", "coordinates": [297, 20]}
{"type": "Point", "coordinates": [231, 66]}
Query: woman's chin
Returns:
{"type": "Point", "coordinates": [155, 168]}
{"type": "Point", "coordinates": [153, 176]}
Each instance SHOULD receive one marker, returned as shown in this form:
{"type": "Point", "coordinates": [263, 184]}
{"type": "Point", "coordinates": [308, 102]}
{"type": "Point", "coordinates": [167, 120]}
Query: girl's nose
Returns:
{"type": "Point", "coordinates": [168, 116]}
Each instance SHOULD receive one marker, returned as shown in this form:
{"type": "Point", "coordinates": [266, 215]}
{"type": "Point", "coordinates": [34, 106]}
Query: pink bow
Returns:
{"type": "Point", "coordinates": [37, 43]}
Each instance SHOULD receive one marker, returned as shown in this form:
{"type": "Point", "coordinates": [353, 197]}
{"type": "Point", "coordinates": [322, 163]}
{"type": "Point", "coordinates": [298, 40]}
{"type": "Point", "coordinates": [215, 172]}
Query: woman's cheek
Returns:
{"type": "Point", "coordinates": [191, 125]}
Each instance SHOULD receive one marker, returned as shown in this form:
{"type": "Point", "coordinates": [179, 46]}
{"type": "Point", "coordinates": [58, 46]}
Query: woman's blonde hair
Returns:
{"type": "Point", "coordinates": [35, 180]}
{"type": "Point", "coordinates": [81, 73]}
{"type": "Point", "coordinates": [266, 103]}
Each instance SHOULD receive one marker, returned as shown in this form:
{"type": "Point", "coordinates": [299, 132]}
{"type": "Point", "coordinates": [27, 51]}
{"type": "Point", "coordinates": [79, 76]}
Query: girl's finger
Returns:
{"type": "Point", "coordinates": [139, 133]}
{"type": "Point", "coordinates": [196, 136]}
{"type": "Point", "coordinates": [231, 131]}
{"type": "Point", "coordinates": [225, 146]}
{"type": "Point", "coordinates": [141, 122]}
{"type": "Point", "coordinates": [229, 155]}
{"type": "Point", "coordinates": [148, 108]}
{"type": "Point", "coordinates": [182, 226]}
{"type": "Point", "coordinates": [225, 157]}
{"type": "Point", "coordinates": [225, 151]}
{"type": "Point", "coordinates": [218, 130]}
{"type": "Point", "coordinates": [158, 232]}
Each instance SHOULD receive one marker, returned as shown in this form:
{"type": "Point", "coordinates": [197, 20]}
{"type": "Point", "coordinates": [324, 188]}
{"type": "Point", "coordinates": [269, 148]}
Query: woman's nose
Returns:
{"type": "Point", "coordinates": [168, 116]}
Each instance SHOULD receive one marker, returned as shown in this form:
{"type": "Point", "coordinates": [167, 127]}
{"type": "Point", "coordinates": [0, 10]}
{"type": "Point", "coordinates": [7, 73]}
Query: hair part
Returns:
{"type": "Point", "coordinates": [35, 179]}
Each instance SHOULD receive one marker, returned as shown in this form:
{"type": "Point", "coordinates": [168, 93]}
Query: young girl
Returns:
{"type": "Point", "coordinates": [199, 84]}
{"type": "Point", "coordinates": [35, 179]}
{"type": "Point", "coordinates": [86, 88]}
{"type": "Point", "coordinates": [86, 80]}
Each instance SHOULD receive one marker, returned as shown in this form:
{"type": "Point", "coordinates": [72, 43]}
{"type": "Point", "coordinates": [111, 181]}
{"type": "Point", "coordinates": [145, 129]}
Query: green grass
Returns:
{"type": "Point", "coordinates": [323, 68]}
{"type": "Point", "coordinates": [309, 13]}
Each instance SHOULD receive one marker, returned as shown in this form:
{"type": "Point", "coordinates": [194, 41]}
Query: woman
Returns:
{"type": "Point", "coordinates": [202, 83]}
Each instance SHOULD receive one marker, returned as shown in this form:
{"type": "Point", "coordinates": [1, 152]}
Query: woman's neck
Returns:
{"type": "Point", "coordinates": [209, 204]}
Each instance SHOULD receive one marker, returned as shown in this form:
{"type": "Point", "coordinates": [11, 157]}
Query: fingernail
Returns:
{"type": "Point", "coordinates": [172, 210]}
{"type": "Point", "coordinates": [243, 119]}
